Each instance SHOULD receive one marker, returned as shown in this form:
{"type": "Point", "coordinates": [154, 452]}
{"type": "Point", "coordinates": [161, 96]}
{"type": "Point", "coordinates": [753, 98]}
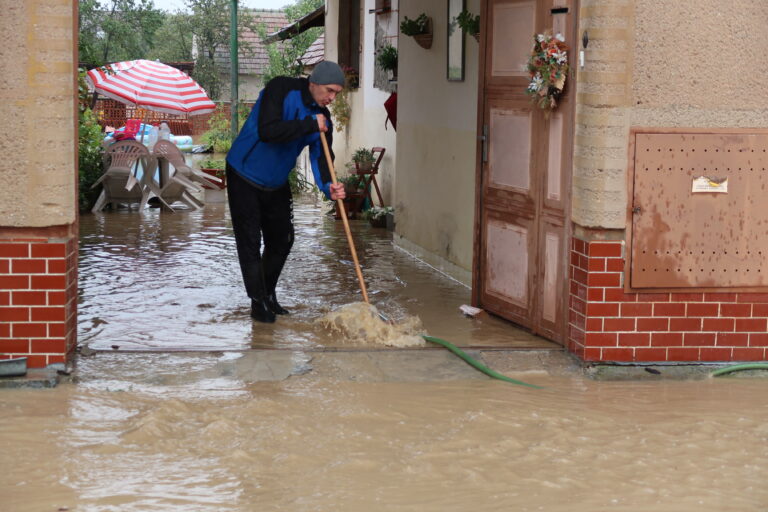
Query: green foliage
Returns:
{"type": "Point", "coordinates": [298, 182]}
{"type": "Point", "coordinates": [387, 58]}
{"type": "Point", "coordinates": [116, 30]}
{"type": "Point", "coordinates": [219, 134]}
{"type": "Point", "coordinates": [341, 110]}
{"type": "Point", "coordinates": [415, 27]}
{"type": "Point", "coordinates": [352, 182]}
{"type": "Point", "coordinates": [88, 149]}
{"type": "Point", "coordinates": [213, 163]}
{"type": "Point", "coordinates": [377, 212]}
{"type": "Point", "coordinates": [469, 23]}
{"type": "Point", "coordinates": [362, 156]}
{"type": "Point", "coordinates": [284, 55]}
{"type": "Point", "coordinates": [173, 39]}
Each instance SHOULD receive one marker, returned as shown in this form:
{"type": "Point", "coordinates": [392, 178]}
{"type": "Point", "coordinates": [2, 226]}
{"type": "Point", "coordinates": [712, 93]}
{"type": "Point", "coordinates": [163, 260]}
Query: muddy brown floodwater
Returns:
{"type": "Point", "coordinates": [315, 426]}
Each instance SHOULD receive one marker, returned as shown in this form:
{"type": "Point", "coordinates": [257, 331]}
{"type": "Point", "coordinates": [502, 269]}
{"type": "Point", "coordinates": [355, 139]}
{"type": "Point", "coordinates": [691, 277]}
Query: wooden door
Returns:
{"type": "Point", "coordinates": [523, 172]}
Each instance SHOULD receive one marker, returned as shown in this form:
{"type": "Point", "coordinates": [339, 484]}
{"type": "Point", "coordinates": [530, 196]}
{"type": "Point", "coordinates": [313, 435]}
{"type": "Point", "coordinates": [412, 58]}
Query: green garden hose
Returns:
{"type": "Point", "coordinates": [456, 350]}
{"type": "Point", "coordinates": [739, 367]}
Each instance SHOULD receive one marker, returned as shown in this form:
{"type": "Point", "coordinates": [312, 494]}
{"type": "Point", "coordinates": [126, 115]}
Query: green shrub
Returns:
{"type": "Point", "coordinates": [363, 156]}
{"type": "Point", "coordinates": [219, 136]}
{"type": "Point", "coordinates": [387, 58]}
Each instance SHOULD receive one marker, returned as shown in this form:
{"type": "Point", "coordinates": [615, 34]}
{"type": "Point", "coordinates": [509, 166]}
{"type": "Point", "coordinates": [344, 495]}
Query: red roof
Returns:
{"type": "Point", "coordinates": [256, 60]}
{"type": "Point", "coordinates": [315, 53]}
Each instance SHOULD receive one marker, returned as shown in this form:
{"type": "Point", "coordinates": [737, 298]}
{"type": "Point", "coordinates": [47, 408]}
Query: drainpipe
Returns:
{"type": "Point", "coordinates": [233, 66]}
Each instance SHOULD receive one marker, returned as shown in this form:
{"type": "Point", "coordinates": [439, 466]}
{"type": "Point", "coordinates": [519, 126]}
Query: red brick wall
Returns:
{"type": "Point", "coordinates": [38, 295]}
{"type": "Point", "coordinates": [607, 324]}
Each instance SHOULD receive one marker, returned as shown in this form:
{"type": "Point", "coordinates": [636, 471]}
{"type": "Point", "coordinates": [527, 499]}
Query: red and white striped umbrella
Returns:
{"type": "Point", "coordinates": [151, 85]}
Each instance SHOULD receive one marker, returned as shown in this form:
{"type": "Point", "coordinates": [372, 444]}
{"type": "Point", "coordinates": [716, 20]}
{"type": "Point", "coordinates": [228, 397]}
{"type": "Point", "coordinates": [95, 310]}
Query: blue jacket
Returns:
{"type": "Point", "coordinates": [281, 123]}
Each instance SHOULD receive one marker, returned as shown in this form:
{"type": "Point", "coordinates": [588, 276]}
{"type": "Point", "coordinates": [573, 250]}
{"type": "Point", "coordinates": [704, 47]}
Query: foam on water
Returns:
{"type": "Point", "coordinates": [359, 323]}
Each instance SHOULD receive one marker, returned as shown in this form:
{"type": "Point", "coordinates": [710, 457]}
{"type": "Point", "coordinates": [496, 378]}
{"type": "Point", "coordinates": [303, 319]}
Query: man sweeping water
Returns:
{"type": "Point", "coordinates": [289, 115]}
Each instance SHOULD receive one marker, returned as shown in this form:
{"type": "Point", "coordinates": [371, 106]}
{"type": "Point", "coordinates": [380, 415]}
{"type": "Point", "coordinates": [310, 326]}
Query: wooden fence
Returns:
{"type": "Point", "coordinates": [113, 113]}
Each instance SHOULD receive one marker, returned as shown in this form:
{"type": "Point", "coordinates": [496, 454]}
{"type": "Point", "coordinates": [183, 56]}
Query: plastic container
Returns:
{"type": "Point", "coordinates": [151, 138]}
{"type": "Point", "coordinates": [13, 367]}
{"type": "Point", "coordinates": [132, 127]}
{"type": "Point", "coordinates": [164, 133]}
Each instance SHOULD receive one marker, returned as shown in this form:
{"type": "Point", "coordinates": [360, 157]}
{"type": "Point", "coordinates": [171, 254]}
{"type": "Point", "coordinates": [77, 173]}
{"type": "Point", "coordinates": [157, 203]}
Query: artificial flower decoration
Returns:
{"type": "Point", "coordinates": [548, 67]}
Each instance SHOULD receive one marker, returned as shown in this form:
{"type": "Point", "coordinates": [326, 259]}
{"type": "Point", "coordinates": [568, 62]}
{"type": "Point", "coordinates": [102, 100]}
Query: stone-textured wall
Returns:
{"type": "Point", "coordinates": [700, 64]}
{"type": "Point", "coordinates": [38, 204]}
{"type": "Point", "coordinates": [36, 113]}
{"type": "Point", "coordinates": [659, 63]}
{"type": "Point", "coordinates": [603, 113]}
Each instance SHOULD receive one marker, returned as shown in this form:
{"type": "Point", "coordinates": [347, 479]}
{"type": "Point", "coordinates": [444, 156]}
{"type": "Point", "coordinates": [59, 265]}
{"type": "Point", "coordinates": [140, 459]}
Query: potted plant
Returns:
{"type": "Point", "coordinates": [377, 215]}
{"type": "Point", "coordinates": [387, 59]}
{"type": "Point", "coordinates": [469, 23]}
{"type": "Point", "coordinates": [353, 203]}
{"type": "Point", "coordinates": [420, 29]}
{"type": "Point", "coordinates": [363, 158]}
{"type": "Point", "coordinates": [216, 168]}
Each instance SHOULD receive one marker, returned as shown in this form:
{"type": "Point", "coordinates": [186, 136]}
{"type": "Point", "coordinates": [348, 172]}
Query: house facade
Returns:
{"type": "Point", "coordinates": [625, 223]}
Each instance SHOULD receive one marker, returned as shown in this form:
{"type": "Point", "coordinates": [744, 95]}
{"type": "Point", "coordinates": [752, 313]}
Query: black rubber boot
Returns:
{"type": "Point", "coordinates": [274, 306]}
{"type": "Point", "coordinates": [261, 312]}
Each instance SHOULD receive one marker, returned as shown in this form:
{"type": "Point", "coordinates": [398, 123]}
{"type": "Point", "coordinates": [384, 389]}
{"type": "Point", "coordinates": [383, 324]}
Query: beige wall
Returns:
{"type": "Point", "coordinates": [660, 63]}
{"type": "Point", "coordinates": [436, 142]}
{"type": "Point", "coordinates": [37, 114]}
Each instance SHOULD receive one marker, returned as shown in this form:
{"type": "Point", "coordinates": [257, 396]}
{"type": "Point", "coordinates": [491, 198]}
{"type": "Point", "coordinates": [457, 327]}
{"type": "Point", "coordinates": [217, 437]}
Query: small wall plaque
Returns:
{"type": "Point", "coordinates": [709, 184]}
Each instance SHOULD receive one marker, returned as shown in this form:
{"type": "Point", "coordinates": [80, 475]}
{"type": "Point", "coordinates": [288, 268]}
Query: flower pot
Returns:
{"type": "Point", "coordinates": [378, 222]}
{"type": "Point", "coordinates": [218, 173]}
{"type": "Point", "coordinates": [363, 166]}
{"type": "Point", "coordinates": [215, 195]}
{"type": "Point", "coordinates": [424, 40]}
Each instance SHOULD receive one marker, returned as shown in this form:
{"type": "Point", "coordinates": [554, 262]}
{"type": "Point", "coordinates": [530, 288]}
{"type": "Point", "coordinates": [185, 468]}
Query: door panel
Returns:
{"type": "Point", "coordinates": [524, 177]}
{"type": "Point", "coordinates": [513, 24]}
{"type": "Point", "coordinates": [510, 148]}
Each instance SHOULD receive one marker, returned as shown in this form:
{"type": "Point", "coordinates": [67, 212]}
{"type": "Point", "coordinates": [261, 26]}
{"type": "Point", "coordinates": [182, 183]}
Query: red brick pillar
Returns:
{"type": "Point", "coordinates": [38, 294]}
{"type": "Point", "coordinates": [609, 325]}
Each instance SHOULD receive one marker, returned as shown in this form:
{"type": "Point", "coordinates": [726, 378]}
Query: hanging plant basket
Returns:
{"type": "Point", "coordinates": [420, 29]}
{"type": "Point", "coordinates": [425, 39]}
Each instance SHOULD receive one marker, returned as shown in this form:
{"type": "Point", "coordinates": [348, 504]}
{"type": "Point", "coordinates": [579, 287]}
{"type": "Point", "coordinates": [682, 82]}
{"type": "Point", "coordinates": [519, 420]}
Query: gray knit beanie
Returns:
{"type": "Point", "coordinates": [327, 72]}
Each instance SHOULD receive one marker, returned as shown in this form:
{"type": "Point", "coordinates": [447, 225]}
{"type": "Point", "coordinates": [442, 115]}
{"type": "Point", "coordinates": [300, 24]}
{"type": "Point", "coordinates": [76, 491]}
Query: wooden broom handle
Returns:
{"type": "Point", "coordinates": [342, 210]}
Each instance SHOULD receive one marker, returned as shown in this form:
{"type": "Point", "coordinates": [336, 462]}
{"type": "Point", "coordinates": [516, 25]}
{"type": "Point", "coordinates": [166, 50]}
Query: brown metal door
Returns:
{"type": "Point", "coordinates": [520, 271]}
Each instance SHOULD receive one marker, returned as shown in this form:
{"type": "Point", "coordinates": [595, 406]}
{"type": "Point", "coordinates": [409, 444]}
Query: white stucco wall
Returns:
{"type": "Point", "coordinates": [366, 127]}
{"type": "Point", "coordinates": [436, 140]}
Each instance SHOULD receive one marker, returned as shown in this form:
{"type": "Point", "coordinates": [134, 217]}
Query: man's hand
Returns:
{"type": "Point", "coordinates": [321, 123]}
{"type": "Point", "coordinates": [337, 191]}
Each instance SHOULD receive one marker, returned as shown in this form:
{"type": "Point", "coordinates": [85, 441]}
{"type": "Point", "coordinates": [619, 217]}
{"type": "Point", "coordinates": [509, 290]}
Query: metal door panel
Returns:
{"type": "Point", "coordinates": [683, 238]}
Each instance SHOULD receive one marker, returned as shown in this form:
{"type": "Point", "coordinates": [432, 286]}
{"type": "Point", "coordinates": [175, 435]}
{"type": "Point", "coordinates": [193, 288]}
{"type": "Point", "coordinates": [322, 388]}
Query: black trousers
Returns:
{"type": "Point", "coordinates": [258, 213]}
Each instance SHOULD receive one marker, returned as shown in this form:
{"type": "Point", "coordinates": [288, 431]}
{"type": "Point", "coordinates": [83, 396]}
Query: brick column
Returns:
{"type": "Point", "coordinates": [609, 325]}
{"type": "Point", "coordinates": [38, 199]}
{"type": "Point", "coordinates": [38, 294]}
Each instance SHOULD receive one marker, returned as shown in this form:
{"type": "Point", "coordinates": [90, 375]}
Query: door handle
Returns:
{"type": "Point", "coordinates": [636, 210]}
{"type": "Point", "coordinates": [484, 139]}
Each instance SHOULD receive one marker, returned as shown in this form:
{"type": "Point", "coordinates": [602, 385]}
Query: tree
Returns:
{"type": "Point", "coordinates": [284, 55]}
{"type": "Point", "coordinates": [173, 39]}
{"type": "Point", "coordinates": [116, 30]}
{"type": "Point", "coordinates": [209, 24]}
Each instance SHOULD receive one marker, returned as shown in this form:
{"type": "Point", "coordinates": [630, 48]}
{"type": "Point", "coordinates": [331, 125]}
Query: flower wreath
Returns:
{"type": "Point", "coordinates": [547, 67]}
